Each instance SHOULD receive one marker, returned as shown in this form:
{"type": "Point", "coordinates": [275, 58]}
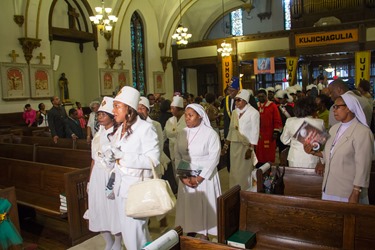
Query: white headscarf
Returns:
{"type": "Point", "coordinates": [199, 109]}
{"type": "Point", "coordinates": [354, 106]}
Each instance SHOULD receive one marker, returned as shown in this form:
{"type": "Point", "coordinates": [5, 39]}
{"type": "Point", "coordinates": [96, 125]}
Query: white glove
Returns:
{"type": "Point", "coordinates": [117, 153]}
{"type": "Point", "coordinates": [110, 193]}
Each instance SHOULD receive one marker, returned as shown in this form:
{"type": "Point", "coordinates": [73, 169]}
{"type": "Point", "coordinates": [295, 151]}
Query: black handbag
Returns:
{"type": "Point", "coordinates": [277, 185]}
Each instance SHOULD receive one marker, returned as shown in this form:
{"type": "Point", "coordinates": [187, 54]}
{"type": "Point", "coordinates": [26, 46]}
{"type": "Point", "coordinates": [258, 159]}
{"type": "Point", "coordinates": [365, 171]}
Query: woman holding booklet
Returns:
{"type": "Point", "coordinates": [347, 154]}
{"type": "Point", "coordinates": [197, 153]}
{"type": "Point", "coordinates": [304, 111]}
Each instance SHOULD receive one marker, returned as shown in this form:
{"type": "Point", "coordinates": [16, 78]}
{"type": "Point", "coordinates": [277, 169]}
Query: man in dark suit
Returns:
{"type": "Point", "coordinates": [56, 119]}
{"type": "Point", "coordinates": [72, 126]}
{"type": "Point", "coordinates": [229, 106]}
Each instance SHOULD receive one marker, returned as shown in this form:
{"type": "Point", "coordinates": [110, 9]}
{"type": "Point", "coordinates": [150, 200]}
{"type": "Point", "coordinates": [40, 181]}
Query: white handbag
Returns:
{"type": "Point", "coordinates": [149, 198]}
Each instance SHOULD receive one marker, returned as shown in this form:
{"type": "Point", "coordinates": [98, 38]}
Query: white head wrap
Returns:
{"type": "Point", "coordinates": [354, 106]}
{"type": "Point", "coordinates": [281, 94]}
{"type": "Point", "coordinates": [199, 109]}
{"type": "Point", "coordinates": [272, 89]}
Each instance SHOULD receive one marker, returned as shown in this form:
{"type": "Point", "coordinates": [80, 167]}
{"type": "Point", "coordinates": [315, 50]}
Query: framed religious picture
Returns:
{"type": "Point", "coordinates": [41, 81]}
{"type": "Point", "coordinates": [159, 82]}
{"type": "Point", "coordinates": [15, 81]}
{"type": "Point", "coordinates": [108, 81]}
{"type": "Point", "coordinates": [123, 79]}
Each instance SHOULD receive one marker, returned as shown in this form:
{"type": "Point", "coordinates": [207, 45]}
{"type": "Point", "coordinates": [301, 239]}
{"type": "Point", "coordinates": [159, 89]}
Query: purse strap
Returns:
{"type": "Point", "coordinates": [154, 174]}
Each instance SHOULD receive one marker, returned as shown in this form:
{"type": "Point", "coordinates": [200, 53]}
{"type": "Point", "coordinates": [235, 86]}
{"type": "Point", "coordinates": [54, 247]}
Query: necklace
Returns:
{"type": "Point", "coordinates": [190, 141]}
{"type": "Point", "coordinates": [261, 107]}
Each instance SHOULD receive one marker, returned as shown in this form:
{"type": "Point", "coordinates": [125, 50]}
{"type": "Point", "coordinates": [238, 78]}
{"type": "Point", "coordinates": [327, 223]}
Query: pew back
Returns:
{"type": "Point", "coordinates": [38, 185]}
{"type": "Point", "coordinates": [51, 155]}
{"type": "Point", "coordinates": [288, 222]}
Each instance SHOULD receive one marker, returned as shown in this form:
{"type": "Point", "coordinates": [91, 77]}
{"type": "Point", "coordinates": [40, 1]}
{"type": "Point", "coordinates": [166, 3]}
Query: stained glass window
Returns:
{"type": "Point", "coordinates": [236, 22]}
{"type": "Point", "coordinates": [138, 53]}
{"type": "Point", "coordinates": [287, 20]}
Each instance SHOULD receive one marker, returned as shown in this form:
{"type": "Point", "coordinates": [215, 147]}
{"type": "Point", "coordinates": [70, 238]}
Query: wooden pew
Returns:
{"type": "Point", "coordinates": [287, 222]}
{"type": "Point", "coordinates": [39, 186]}
{"type": "Point", "coordinates": [187, 243]}
{"type": "Point", "coordinates": [58, 156]}
{"type": "Point", "coordinates": [47, 141]}
{"type": "Point", "coordinates": [63, 156]}
{"type": "Point", "coordinates": [298, 182]}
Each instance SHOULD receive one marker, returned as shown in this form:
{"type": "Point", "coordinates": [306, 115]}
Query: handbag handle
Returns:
{"type": "Point", "coordinates": [154, 174]}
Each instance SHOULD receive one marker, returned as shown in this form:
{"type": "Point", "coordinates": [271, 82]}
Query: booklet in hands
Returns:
{"type": "Point", "coordinates": [307, 133]}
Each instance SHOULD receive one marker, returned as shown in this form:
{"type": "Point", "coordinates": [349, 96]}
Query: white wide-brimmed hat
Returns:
{"type": "Point", "coordinates": [107, 105]}
{"type": "Point", "coordinates": [129, 96]}
{"type": "Point", "coordinates": [284, 94]}
{"type": "Point", "coordinates": [297, 87]}
{"type": "Point", "coordinates": [278, 87]}
{"type": "Point", "coordinates": [145, 102]}
{"type": "Point", "coordinates": [310, 87]}
{"type": "Point", "coordinates": [243, 94]}
{"type": "Point", "coordinates": [291, 90]}
{"type": "Point", "coordinates": [272, 89]}
{"type": "Point", "coordinates": [177, 101]}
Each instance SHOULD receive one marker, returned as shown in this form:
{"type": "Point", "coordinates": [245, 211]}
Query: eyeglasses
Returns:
{"type": "Point", "coordinates": [336, 106]}
{"type": "Point", "coordinates": [237, 100]}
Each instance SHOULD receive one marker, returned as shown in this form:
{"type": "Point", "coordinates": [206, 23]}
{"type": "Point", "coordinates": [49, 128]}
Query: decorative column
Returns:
{"type": "Point", "coordinates": [28, 45]}
{"type": "Point", "coordinates": [165, 60]}
{"type": "Point", "coordinates": [112, 54]}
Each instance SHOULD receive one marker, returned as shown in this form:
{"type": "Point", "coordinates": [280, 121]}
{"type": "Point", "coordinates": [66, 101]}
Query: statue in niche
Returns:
{"type": "Point", "coordinates": [63, 83]}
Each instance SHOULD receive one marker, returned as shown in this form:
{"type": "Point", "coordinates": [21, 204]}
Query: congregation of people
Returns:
{"type": "Point", "coordinates": [131, 134]}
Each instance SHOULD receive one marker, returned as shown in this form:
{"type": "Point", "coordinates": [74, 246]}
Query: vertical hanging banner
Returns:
{"type": "Point", "coordinates": [362, 65]}
{"type": "Point", "coordinates": [227, 67]}
{"type": "Point", "coordinates": [291, 66]}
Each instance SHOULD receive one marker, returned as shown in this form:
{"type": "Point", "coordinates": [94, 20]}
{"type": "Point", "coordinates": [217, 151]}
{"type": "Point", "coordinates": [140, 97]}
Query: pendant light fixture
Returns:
{"type": "Point", "coordinates": [181, 34]}
{"type": "Point", "coordinates": [226, 48]}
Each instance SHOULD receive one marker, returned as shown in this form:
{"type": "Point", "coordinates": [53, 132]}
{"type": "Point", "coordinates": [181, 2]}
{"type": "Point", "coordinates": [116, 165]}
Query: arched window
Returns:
{"type": "Point", "coordinates": [138, 53]}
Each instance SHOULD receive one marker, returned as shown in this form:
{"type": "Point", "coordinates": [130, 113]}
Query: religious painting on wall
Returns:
{"type": "Point", "coordinates": [15, 81]}
{"type": "Point", "coordinates": [41, 80]}
{"type": "Point", "coordinates": [108, 82]}
{"type": "Point", "coordinates": [159, 82]}
{"type": "Point", "coordinates": [123, 80]}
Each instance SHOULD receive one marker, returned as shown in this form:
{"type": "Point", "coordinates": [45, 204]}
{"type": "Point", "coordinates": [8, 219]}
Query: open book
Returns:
{"type": "Point", "coordinates": [307, 133]}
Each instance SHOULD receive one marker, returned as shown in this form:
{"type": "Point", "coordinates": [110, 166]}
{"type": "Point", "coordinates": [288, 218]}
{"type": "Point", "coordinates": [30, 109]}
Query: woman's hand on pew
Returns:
{"type": "Point", "coordinates": [319, 169]}
{"type": "Point", "coordinates": [55, 139]}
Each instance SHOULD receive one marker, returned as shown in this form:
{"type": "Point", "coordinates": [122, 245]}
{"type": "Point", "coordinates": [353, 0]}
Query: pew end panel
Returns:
{"type": "Point", "coordinates": [228, 213]}
{"type": "Point", "coordinates": [77, 200]}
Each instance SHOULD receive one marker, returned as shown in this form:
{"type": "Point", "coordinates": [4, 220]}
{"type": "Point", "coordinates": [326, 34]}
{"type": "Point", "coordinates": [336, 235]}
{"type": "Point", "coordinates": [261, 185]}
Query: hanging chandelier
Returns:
{"type": "Point", "coordinates": [181, 34]}
{"type": "Point", "coordinates": [226, 48]}
{"type": "Point", "coordinates": [103, 20]}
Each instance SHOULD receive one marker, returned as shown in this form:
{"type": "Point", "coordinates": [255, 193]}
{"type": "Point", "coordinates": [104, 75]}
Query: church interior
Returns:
{"type": "Point", "coordinates": [64, 48]}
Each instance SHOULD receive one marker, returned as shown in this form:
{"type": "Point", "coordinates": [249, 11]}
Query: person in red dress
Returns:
{"type": "Point", "coordinates": [270, 127]}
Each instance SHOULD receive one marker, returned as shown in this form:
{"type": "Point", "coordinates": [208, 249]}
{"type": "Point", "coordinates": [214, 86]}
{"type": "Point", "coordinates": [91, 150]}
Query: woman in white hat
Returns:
{"type": "Point", "coordinates": [175, 124]}
{"type": "Point", "coordinates": [136, 151]}
{"type": "Point", "coordinates": [243, 136]}
{"type": "Point", "coordinates": [197, 150]}
{"type": "Point", "coordinates": [347, 154]}
{"type": "Point", "coordinates": [102, 213]}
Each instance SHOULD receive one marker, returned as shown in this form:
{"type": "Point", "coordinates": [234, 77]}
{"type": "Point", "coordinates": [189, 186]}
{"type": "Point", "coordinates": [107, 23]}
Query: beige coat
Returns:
{"type": "Point", "coordinates": [350, 162]}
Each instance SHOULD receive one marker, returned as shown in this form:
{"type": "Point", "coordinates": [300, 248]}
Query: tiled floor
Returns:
{"type": "Point", "coordinates": [97, 242]}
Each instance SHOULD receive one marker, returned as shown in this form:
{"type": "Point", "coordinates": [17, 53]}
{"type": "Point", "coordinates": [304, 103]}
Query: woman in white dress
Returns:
{"type": "Point", "coordinates": [136, 150]}
{"type": "Point", "coordinates": [175, 124]}
{"type": "Point", "coordinates": [243, 136]}
{"type": "Point", "coordinates": [102, 213]}
{"type": "Point", "coordinates": [304, 110]}
{"type": "Point", "coordinates": [198, 148]}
